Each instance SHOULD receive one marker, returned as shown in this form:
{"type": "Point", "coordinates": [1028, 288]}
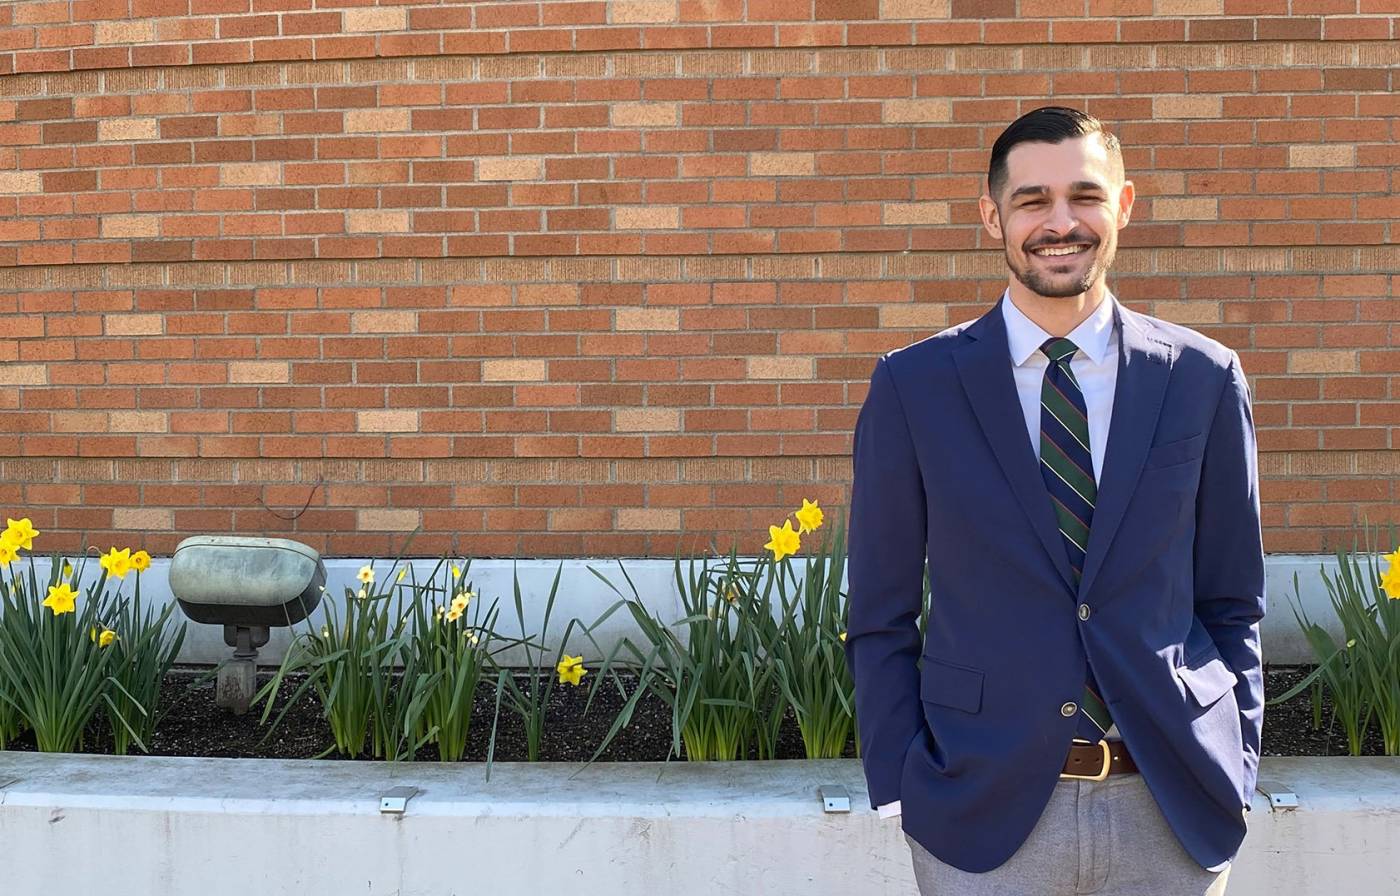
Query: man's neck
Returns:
{"type": "Point", "coordinates": [1057, 316]}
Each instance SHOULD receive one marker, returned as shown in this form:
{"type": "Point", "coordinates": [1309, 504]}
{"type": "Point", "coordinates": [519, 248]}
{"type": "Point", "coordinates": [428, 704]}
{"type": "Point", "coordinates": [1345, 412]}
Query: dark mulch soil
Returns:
{"type": "Point", "coordinates": [194, 726]}
{"type": "Point", "coordinates": [1288, 727]}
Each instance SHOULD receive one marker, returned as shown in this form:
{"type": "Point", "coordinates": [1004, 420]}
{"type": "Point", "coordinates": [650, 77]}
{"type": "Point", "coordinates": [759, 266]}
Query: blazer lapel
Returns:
{"type": "Point", "coordinates": [984, 366]}
{"type": "Point", "coordinates": [1144, 365]}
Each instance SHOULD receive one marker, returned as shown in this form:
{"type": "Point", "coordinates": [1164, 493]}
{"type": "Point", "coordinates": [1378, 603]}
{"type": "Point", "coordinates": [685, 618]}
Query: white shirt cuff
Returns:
{"type": "Point", "coordinates": [888, 810]}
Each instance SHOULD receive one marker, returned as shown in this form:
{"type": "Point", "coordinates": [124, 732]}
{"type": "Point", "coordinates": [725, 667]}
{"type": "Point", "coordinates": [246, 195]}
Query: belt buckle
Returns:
{"type": "Point", "coordinates": [1107, 758]}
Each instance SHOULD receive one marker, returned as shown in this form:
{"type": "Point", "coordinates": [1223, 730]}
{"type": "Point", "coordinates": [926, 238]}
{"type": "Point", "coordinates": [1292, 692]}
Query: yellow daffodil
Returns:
{"type": "Point", "coordinates": [456, 573]}
{"type": "Point", "coordinates": [7, 553]}
{"type": "Point", "coordinates": [67, 569]}
{"type": "Point", "coordinates": [1390, 579]}
{"type": "Point", "coordinates": [731, 594]}
{"type": "Point", "coordinates": [366, 575]}
{"type": "Point", "coordinates": [21, 533]}
{"type": "Point", "coordinates": [105, 639]}
{"type": "Point", "coordinates": [60, 599]}
{"type": "Point", "coordinates": [571, 669]}
{"type": "Point", "coordinates": [810, 517]}
{"type": "Point", "coordinates": [782, 541]}
{"type": "Point", "coordinates": [459, 603]}
{"type": "Point", "coordinates": [140, 561]}
{"type": "Point", "coordinates": [117, 563]}
{"type": "Point", "coordinates": [843, 636]}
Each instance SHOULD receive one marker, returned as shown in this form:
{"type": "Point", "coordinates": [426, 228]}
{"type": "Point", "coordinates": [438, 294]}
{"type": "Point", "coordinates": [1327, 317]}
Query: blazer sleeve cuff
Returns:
{"type": "Point", "coordinates": [888, 810]}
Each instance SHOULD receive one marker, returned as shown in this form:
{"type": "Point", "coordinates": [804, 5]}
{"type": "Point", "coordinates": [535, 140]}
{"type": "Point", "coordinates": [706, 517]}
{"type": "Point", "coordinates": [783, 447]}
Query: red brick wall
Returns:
{"type": "Point", "coordinates": [572, 278]}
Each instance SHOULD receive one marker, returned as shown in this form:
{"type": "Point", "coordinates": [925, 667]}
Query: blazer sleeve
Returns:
{"type": "Point", "coordinates": [887, 545]}
{"type": "Point", "coordinates": [1229, 557]}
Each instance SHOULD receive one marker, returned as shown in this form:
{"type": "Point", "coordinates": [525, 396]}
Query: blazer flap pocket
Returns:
{"type": "Point", "coordinates": [1180, 451]}
{"type": "Point", "coordinates": [1209, 680]}
{"type": "Point", "coordinates": [949, 684]}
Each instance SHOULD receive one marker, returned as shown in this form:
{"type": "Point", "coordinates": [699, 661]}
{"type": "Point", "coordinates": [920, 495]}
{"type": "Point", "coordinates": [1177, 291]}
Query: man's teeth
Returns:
{"type": "Point", "coordinates": [1060, 251]}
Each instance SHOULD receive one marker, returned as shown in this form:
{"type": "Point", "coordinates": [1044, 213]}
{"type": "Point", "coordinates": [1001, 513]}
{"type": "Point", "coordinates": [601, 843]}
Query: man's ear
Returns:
{"type": "Point", "coordinates": [991, 216]}
{"type": "Point", "coordinates": [1125, 204]}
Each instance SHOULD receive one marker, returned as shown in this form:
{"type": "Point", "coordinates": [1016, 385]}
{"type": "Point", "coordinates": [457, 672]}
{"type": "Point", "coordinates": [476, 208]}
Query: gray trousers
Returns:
{"type": "Point", "coordinates": [1106, 838]}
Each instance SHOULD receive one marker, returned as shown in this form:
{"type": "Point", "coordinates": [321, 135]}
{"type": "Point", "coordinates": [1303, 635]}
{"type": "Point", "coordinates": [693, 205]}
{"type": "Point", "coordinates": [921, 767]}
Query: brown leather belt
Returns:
{"type": "Point", "coordinates": [1094, 762]}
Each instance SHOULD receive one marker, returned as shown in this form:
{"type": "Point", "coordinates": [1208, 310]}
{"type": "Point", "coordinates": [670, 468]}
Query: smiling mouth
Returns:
{"type": "Point", "coordinates": [1059, 253]}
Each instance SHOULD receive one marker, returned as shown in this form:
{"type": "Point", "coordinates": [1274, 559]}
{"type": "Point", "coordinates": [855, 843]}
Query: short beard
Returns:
{"type": "Point", "coordinates": [1057, 288]}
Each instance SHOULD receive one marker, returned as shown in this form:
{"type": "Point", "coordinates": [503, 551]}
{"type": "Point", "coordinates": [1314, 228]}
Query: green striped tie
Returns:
{"type": "Point", "coordinates": [1067, 467]}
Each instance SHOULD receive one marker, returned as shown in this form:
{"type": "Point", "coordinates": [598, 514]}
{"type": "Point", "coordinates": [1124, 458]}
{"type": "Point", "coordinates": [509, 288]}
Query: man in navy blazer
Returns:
{"type": "Point", "coordinates": [976, 733]}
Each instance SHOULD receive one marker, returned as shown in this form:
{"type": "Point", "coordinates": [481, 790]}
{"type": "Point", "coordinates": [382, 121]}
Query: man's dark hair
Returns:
{"type": "Point", "coordinates": [1048, 124]}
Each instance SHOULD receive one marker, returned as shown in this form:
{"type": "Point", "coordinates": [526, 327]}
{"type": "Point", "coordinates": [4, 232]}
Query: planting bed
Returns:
{"type": "Point", "coordinates": [194, 726]}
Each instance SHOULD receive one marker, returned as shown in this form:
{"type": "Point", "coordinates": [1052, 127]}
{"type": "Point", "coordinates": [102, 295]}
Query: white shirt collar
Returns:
{"type": "Point", "coordinates": [1025, 337]}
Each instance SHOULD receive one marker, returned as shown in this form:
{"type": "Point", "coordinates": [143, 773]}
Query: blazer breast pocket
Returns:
{"type": "Point", "coordinates": [948, 684]}
{"type": "Point", "coordinates": [1177, 452]}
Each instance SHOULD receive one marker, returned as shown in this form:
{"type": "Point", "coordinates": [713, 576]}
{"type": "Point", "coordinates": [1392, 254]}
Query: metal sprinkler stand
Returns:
{"type": "Point", "coordinates": [237, 679]}
{"type": "Point", "coordinates": [247, 585]}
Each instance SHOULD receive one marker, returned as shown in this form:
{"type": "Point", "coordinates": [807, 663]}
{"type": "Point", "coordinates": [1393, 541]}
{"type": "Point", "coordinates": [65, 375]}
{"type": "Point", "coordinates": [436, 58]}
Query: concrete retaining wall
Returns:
{"type": "Point", "coordinates": [583, 594]}
{"type": "Point", "coordinates": [150, 826]}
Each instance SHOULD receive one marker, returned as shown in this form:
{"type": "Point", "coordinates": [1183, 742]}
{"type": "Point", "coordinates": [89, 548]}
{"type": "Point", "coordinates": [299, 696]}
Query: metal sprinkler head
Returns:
{"type": "Point", "coordinates": [247, 585]}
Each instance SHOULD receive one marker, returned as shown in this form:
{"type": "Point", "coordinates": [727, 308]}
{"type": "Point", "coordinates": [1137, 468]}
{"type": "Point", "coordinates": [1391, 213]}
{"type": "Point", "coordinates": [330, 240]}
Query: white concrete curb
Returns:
{"type": "Point", "coordinates": [157, 826]}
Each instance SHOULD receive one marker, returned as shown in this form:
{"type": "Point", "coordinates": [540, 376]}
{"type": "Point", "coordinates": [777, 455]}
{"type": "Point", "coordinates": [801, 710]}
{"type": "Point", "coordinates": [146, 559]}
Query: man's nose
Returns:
{"type": "Point", "coordinates": [1061, 219]}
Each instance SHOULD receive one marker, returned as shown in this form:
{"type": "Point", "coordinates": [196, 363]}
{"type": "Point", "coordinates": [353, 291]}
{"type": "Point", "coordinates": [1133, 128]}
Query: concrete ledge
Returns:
{"type": "Point", "coordinates": [583, 594]}
{"type": "Point", "coordinates": [156, 826]}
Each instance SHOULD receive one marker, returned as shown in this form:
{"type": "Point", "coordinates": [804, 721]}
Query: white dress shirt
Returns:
{"type": "Point", "coordinates": [1095, 367]}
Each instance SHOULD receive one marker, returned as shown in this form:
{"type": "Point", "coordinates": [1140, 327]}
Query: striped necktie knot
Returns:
{"type": "Point", "coordinates": [1058, 349]}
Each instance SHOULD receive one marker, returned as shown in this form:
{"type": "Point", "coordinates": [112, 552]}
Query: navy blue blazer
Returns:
{"type": "Point", "coordinates": [966, 728]}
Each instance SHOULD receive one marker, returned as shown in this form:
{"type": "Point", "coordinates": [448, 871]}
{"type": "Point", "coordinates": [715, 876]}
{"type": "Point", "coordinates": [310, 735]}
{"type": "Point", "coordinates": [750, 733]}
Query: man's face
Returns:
{"type": "Point", "coordinates": [1059, 197]}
